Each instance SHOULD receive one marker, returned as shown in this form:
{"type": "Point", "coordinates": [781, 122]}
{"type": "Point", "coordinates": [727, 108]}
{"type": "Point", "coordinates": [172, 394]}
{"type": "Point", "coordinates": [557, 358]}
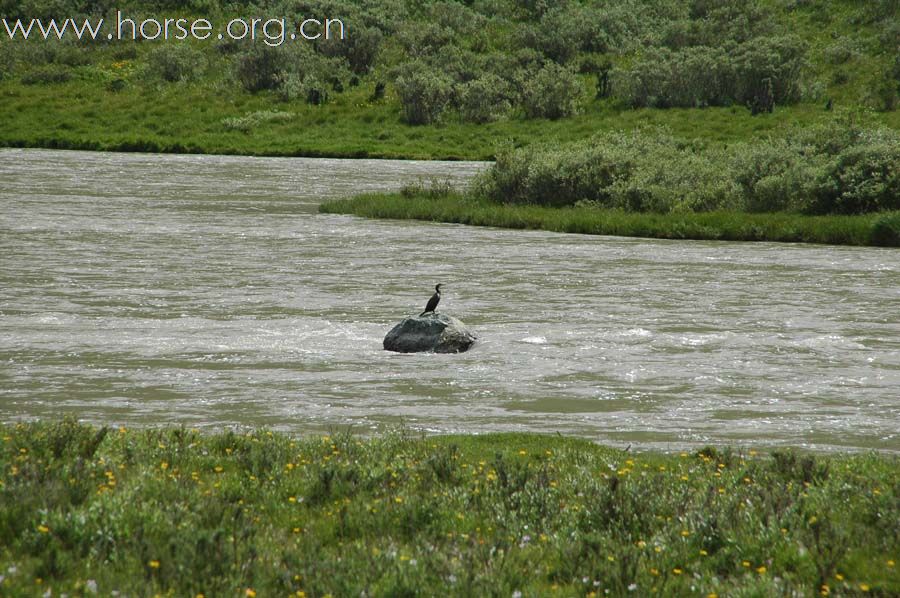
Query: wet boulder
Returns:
{"type": "Point", "coordinates": [438, 333]}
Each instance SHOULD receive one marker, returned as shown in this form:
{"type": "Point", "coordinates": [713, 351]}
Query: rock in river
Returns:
{"type": "Point", "coordinates": [439, 333]}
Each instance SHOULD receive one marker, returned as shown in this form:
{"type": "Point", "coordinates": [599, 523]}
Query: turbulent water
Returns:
{"type": "Point", "coordinates": [206, 291]}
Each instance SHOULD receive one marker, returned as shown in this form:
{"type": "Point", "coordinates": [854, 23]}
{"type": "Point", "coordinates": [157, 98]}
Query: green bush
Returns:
{"type": "Point", "coordinates": [772, 176]}
{"type": "Point", "coordinates": [424, 93]}
{"type": "Point", "coordinates": [886, 230]}
{"type": "Point", "coordinates": [761, 71]}
{"type": "Point", "coordinates": [46, 75]}
{"type": "Point", "coordinates": [552, 92]}
{"type": "Point", "coordinates": [769, 66]}
{"type": "Point", "coordinates": [860, 179]}
{"type": "Point", "coordinates": [565, 175]}
{"type": "Point", "coordinates": [359, 49]}
{"type": "Point", "coordinates": [312, 77]}
{"type": "Point", "coordinates": [175, 62]}
{"type": "Point", "coordinates": [836, 169]}
{"type": "Point", "coordinates": [258, 67]}
{"type": "Point", "coordinates": [485, 99]}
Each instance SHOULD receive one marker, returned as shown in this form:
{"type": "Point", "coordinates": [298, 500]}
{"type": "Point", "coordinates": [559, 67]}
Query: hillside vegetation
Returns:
{"type": "Point", "coordinates": [451, 79]}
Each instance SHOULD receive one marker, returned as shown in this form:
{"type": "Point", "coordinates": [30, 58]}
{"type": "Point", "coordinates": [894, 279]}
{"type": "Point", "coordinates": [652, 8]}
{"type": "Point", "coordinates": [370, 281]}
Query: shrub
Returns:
{"type": "Point", "coordinates": [862, 178]}
{"type": "Point", "coordinates": [260, 67]}
{"type": "Point", "coordinates": [459, 65]}
{"type": "Point", "coordinates": [824, 170]}
{"type": "Point", "coordinates": [175, 62]}
{"type": "Point", "coordinates": [769, 66]}
{"type": "Point", "coordinates": [838, 169]}
{"type": "Point", "coordinates": [46, 75]}
{"type": "Point", "coordinates": [674, 179]}
{"type": "Point", "coordinates": [841, 51]}
{"type": "Point", "coordinates": [359, 48]}
{"type": "Point", "coordinates": [713, 22]}
{"type": "Point", "coordinates": [697, 76]}
{"type": "Point", "coordinates": [419, 39]}
{"type": "Point", "coordinates": [485, 99]}
{"type": "Point", "coordinates": [552, 92]}
{"type": "Point", "coordinates": [312, 77]}
{"type": "Point", "coordinates": [763, 71]}
{"type": "Point", "coordinates": [886, 230]}
{"type": "Point", "coordinates": [424, 93]}
{"type": "Point", "coordinates": [771, 176]}
{"type": "Point", "coordinates": [887, 88]}
{"type": "Point", "coordinates": [580, 172]}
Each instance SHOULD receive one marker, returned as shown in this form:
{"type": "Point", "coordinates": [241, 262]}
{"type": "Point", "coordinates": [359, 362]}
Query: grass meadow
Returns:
{"type": "Point", "coordinates": [87, 510]}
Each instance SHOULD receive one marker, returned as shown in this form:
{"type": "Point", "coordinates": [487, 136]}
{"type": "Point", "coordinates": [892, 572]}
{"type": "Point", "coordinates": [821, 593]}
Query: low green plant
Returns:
{"type": "Point", "coordinates": [251, 121]}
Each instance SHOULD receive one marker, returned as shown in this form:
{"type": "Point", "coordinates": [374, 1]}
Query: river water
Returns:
{"type": "Point", "coordinates": [207, 291]}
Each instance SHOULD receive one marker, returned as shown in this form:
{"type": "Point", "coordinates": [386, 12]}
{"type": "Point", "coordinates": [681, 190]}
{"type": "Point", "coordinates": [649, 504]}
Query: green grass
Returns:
{"type": "Point", "coordinates": [175, 512]}
{"type": "Point", "coordinates": [189, 118]}
{"type": "Point", "coordinates": [870, 229]}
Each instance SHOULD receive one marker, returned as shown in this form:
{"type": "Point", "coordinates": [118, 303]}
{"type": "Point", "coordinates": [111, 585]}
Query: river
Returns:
{"type": "Point", "coordinates": [145, 290]}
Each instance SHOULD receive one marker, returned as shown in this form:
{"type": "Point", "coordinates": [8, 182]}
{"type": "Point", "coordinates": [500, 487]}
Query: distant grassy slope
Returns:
{"type": "Point", "coordinates": [110, 99]}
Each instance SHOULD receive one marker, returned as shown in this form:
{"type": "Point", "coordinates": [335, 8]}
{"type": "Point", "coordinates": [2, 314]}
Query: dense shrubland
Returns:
{"type": "Point", "coordinates": [834, 169]}
{"type": "Point", "coordinates": [490, 60]}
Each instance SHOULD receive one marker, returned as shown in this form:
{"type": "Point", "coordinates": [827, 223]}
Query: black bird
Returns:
{"type": "Point", "coordinates": [433, 302]}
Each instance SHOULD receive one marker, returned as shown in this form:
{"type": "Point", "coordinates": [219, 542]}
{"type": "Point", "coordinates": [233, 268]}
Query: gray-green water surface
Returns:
{"type": "Point", "coordinates": [206, 291]}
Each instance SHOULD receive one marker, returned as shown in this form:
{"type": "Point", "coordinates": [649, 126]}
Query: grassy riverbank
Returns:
{"type": "Point", "coordinates": [189, 119]}
{"type": "Point", "coordinates": [86, 510]}
{"type": "Point", "coordinates": [869, 229]}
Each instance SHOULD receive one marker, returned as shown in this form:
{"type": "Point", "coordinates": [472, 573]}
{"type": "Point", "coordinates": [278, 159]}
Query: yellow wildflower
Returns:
{"type": "Point", "coordinates": [153, 564]}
